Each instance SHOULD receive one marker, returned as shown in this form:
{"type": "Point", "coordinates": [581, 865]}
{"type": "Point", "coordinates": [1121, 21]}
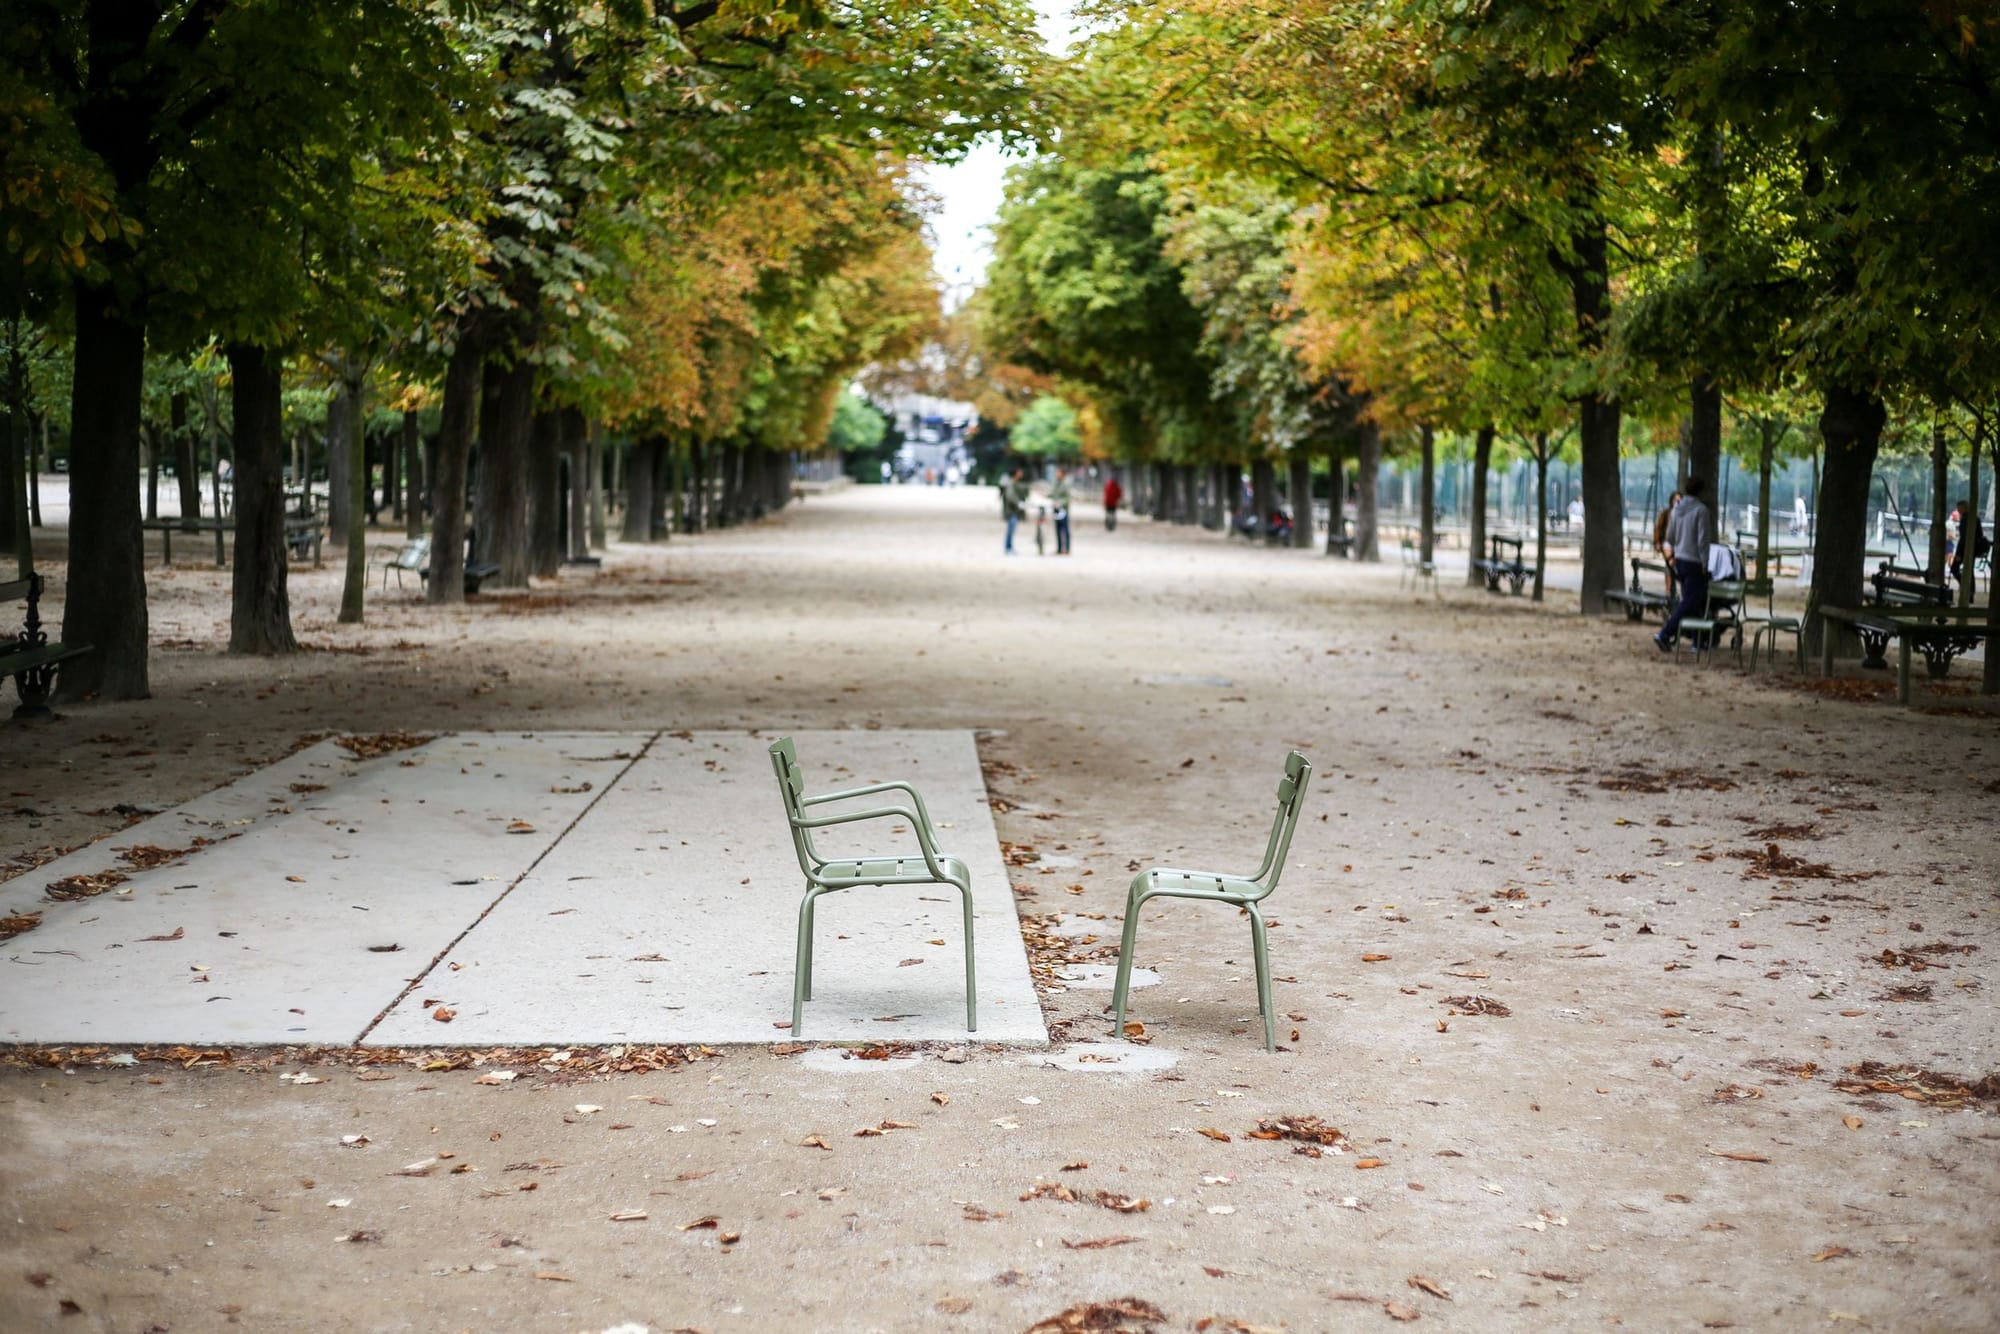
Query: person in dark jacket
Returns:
{"type": "Point", "coordinates": [1690, 533]}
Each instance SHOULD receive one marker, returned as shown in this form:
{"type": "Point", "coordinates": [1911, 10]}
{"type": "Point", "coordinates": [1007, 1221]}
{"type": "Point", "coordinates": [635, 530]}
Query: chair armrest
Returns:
{"type": "Point", "coordinates": [924, 839]}
{"type": "Point", "coordinates": [916, 798]}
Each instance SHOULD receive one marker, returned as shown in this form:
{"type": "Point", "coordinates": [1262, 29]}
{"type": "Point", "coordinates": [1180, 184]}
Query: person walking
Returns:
{"type": "Point", "coordinates": [1013, 505]}
{"type": "Point", "coordinates": [1059, 498]}
{"type": "Point", "coordinates": [1660, 547]}
{"type": "Point", "coordinates": [1114, 496]}
{"type": "Point", "coordinates": [1689, 533]}
{"type": "Point", "coordinates": [1969, 535]}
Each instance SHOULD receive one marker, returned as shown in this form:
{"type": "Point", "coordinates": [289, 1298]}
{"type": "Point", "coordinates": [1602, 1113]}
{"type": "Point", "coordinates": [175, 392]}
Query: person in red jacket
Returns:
{"type": "Point", "coordinates": [1114, 494]}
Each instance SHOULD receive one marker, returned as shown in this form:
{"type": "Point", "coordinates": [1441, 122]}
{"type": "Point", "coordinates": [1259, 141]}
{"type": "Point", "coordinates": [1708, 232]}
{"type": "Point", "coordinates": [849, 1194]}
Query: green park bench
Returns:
{"type": "Point", "coordinates": [28, 656]}
{"type": "Point", "coordinates": [1639, 596]}
{"type": "Point", "coordinates": [1509, 567]}
{"type": "Point", "coordinates": [825, 876]}
{"type": "Point", "coordinates": [1244, 892]}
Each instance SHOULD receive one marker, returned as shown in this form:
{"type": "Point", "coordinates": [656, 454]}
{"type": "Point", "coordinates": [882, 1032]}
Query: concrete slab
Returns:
{"type": "Point", "coordinates": [333, 883]}
{"type": "Point", "coordinates": [669, 914]}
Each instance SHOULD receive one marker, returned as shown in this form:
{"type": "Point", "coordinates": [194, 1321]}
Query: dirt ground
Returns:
{"type": "Point", "coordinates": [1639, 995]}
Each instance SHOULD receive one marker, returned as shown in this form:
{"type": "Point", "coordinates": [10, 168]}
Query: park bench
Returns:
{"type": "Point", "coordinates": [28, 656]}
{"type": "Point", "coordinates": [166, 528]}
{"type": "Point", "coordinates": [414, 555]}
{"type": "Point", "coordinates": [1236, 891]}
{"type": "Point", "coordinates": [1639, 598]}
{"type": "Point", "coordinates": [1510, 568]}
{"type": "Point", "coordinates": [477, 572]}
{"type": "Point", "coordinates": [828, 876]}
{"type": "Point", "coordinates": [1902, 586]}
{"type": "Point", "coordinates": [304, 536]}
{"type": "Point", "coordinates": [1939, 633]}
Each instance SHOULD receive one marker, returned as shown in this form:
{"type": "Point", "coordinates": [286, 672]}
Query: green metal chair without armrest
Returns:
{"type": "Point", "coordinates": [1244, 892]}
{"type": "Point", "coordinates": [1719, 617]}
{"type": "Point", "coordinates": [1769, 622]}
{"type": "Point", "coordinates": [825, 876]}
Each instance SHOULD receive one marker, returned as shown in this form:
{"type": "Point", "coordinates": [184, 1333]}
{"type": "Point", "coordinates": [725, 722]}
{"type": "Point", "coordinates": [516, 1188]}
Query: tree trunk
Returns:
{"type": "Point", "coordinates": [1850, 424]}
{"type": "Point", "coordinates": [1989, 681]}
{"type": "Point", "coordinates": [1934, 565]}
{"type": "Point", "coordinates": [658, 517]}
{"type": "Point", "coordinates": [1301, 487]}
{"type": "Point", "coordinates": [545, 451]}
{"type": "Point", "coordinates": [413, 476]}
{"type": "Point", "coordinates": [1704, 440]}
{"type": "Point", "coordinates": [1427, 518]}
{"type": "Point", "coordinates": [354, 587]}
{"type": "Point", "coordinates": [577, 436]}
{"type": "Point", "coordinates": [1336, 501]}
{"type": "Point", "coordinates": [339, 460]}
{"type": "Point", "coordinates": [449, 456]}
{"type": "Point", "coordinates": [1475, 535]}
{"type": "Point", "coordinates": [260, 609]}
{"type": "Point", "coordinates": [639, 473]}
{"type": "Point", "coordinates": [1263, 495]}
{"type": "Point", "coordinates": [104, 603]}
{"type": "Point", "coordinates": [1367, 468]}
{"type": "Point", "coordinates": [38, 453]}
{"type": "Point", "coordinates": [594, 472]}
{"type": "Point", "coordinates": [500, 513]}
{"type": "Point", "coordinates": [678, 516]}
{"type": "Point", "coordinates": [1767, 447]}
{"type": "Point", "coordinates": [1970, 564]}
{"type": "Point", "coordinates": [1603, 497]}
{"type": "Point", "coordinates": [697, 501]}
{"type": "Point", "coordinates": [1541, 509]}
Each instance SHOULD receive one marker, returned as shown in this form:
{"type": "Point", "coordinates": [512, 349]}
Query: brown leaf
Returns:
{"type": "Point", "coordinates": [1074, 1167]}
{"type": "Point", "coordinates": [1109, 1317]}
{"type": "Point", "coordinates": [705, 1221]}
{"type": "Point", "coordinates": [1398, 1311]}
{"type": "Point", "coordinates": [1739, 1157]}
{"type": "Point", "coordinates": [1374, 958]}
{"type": "Point", "coordinates": [631, 1216]}
{"type": "Point", "coordinates": [1852, 1122]}
{"type": "Point", "coordinates": [898, 1125]}
{"type": "Point", "coordinates": [177, 934]}
{"type": "Point", "coordinates": [1430, 1285]}
{"type": "Point", "coordinates": [815, 1142]}
{"type": "Point", "coordinates": [443, 1015]}
{"type": "Point", "coordinates": [1134, 1029]}
{"type": "Point", "coordinates": [547, 1277]}
{"type": "Point", "coordinates": [952, 1305]}
{"type": "Point", "coordinates": [942, 1099]}
{"type": "Point", "coordinates": [1217, 1135]}
{"type": "Point", "coordinates": [1124, 1204]}
{"type": "Point", "coordinates": [1363, 1164]}
{"type": "Point", "coordinates": [1831, 1253]}
{"type": "Point", "coordinates": [1098, 1243]}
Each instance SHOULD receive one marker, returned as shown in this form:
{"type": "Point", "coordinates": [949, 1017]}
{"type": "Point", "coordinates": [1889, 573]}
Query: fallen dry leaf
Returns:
{"type": "Point", "coordinates": [1218, 1135]}
{"type": "Point", "coordinates": [941, 1099]}
{"type": "Point", "coordinates": [1831, 1253]}
{"type": "Point", "coordinates": [815, 1142]}
{"type": "Point", "coordinates": [1430, 1285]}
{"type": "Point", "coordinates": [1363, 1164]}
{"type": "Point", "coordinates": [1374, 958]}
{"type": "Point", "coordinates": [952, 1305]}
{"type": "Point", "coordinates": [1113, 1317]}
{"type": "Point", "coordinates": [443, 1015]}
{"type": "Point", "coordinates": [706, 1221]}
{"type": "Point", "coordinates": [1098, 1243]}
{"type": "Point", "coordinates": [1852, 1122]}
{"type": "Point", "coordinates": [177, 934]}
{"type": "Point", "coordinates": [1739, 1157]}
{"type": "Point", "coordinates": [1398, 1311]}
{"type": "Point", "coordinates": [631, 1216]}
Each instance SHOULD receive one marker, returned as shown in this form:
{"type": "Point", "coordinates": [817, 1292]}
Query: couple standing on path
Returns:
{"type": "Point", "coordinates": [1014, 505]}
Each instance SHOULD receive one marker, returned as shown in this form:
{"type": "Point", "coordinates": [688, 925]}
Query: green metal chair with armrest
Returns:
{"type": "Point", "coordinates": [1244, 892]}
{"type": "Point", "coordinates": [827, 876]}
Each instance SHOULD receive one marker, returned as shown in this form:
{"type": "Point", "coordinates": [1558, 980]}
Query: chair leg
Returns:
{"type": "Point", "coordinates": [1118, 991]}
{"type": "Point", "coordinates": [971, 986]}
{"type": "Point", "coordinates": [812, 926]}
{"type": "Point", "coordinates": [1261, 948]}
{"type": "Point", "coordinates": [802, 965]}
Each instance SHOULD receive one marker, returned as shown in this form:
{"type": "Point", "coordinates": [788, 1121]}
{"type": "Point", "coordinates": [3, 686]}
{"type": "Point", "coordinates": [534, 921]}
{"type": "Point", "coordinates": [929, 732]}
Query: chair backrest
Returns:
{"type": "Point", "coordinates": [792, 789]}
{"type": "Point", "coordinates": [1291, 794]}
{"type": "Point", "coordinates": [415, 554]}
{"type": "Point", "coordinates": [1724, 590]}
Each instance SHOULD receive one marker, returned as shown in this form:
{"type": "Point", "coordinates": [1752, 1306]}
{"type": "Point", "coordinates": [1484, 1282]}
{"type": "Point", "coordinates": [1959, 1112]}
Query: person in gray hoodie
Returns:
{"type": "Point", "coordinates": [1690, 533]}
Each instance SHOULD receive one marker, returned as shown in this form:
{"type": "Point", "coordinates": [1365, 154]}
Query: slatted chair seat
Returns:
{"type": "Point", "coordinates": [831, 875]}
{"type": "Point", "coordinates": [1242, 891]}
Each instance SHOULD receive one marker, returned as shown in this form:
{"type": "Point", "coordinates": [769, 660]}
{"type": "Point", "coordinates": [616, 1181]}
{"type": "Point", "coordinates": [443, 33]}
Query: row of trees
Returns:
{"type": "Point", "coordinates": [1277, 231]}
{"type": "Point", "coordinates": [688, 223]}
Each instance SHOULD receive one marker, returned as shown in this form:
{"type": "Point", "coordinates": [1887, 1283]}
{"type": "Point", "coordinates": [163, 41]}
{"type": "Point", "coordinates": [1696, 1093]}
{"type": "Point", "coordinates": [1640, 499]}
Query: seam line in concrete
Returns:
{"type": "Point", "coordinates": [554, 843]}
